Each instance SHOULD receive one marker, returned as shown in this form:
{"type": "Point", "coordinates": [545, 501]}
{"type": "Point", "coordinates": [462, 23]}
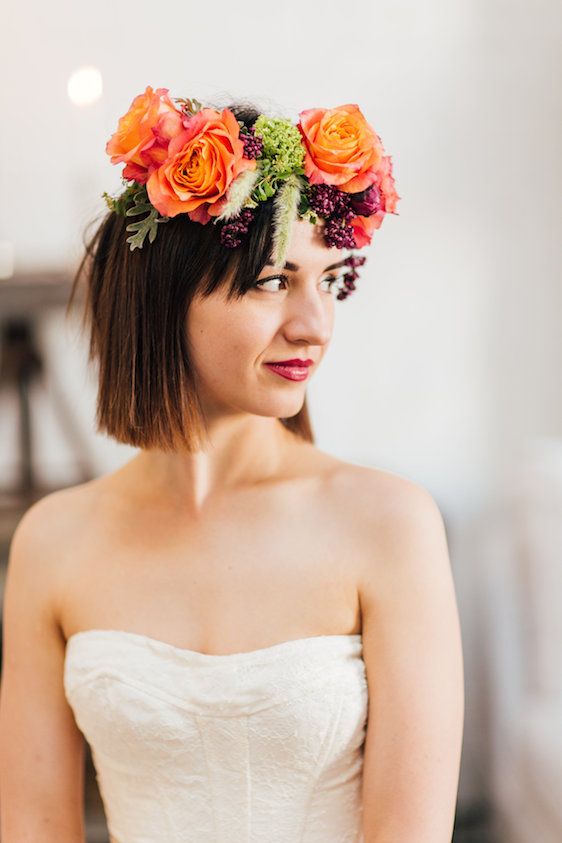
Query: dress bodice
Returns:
{"type": "Point", "coordinates": [264, 746]}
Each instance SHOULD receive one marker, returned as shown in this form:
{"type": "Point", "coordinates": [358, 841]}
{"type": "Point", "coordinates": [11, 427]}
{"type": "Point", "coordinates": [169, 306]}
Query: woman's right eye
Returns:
{"type": "Point", "coordinates": [263, 281]}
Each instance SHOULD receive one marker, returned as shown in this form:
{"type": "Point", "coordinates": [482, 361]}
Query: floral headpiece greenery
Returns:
{"type": "Point", "coordinates": [183, 157]}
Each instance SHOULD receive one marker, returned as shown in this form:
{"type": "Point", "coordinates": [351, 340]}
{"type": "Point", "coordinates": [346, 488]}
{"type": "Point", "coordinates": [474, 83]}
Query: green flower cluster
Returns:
{"type": "Point", "coordinates": [283, 154]}
{"type": "Point", "coordinates": [282, 144]}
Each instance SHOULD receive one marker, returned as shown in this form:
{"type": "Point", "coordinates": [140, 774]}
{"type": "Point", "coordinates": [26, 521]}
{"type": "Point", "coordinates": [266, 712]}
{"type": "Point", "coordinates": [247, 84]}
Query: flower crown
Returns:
{"type": "Point", "coordinates": [188, 158]}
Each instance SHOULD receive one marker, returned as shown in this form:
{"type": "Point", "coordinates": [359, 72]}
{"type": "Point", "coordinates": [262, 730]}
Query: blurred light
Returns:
{"type": "Point", "coordinates": [6, 259]}
{"type": "Point", "coordinates": [85, 85]}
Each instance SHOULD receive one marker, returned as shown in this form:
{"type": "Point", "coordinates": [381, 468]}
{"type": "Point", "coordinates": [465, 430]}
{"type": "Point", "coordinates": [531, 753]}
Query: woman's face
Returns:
{"type": "Point", "coordinates": [284, 318]}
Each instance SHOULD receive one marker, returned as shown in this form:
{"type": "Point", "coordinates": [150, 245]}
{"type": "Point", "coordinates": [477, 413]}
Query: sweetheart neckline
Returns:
{"type": "Point", "coordinates": [197, 654]}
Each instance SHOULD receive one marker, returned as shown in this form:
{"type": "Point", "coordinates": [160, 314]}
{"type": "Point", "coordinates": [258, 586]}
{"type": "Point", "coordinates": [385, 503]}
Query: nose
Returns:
{"type": "Point", "coordinates": [309, 317]}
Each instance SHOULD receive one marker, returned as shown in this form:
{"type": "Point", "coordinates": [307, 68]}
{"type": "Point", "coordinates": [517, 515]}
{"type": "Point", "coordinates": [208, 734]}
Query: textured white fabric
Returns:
{"type": "Point", "coordinates": [264, 746]}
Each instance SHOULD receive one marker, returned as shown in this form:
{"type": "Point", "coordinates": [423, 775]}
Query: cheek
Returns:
{"type": "Point", "coordinates": [241, 344]}
{"type": "Point", "coordinates": [230, 343]}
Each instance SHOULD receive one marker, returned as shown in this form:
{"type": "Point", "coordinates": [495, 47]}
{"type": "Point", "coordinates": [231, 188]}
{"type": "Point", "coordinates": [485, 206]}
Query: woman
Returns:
{"type": "Point", "coordinates": [259, 641]}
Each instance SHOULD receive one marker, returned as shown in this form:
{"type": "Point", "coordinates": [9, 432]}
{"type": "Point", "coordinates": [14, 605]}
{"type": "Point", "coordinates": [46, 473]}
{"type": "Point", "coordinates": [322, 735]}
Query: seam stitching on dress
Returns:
{"type": "Point", "coordinates": [327, 745]}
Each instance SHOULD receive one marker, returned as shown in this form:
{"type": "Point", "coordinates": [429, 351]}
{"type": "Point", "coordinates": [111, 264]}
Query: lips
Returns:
{"type": "Point", "coordinates": [288, 370]}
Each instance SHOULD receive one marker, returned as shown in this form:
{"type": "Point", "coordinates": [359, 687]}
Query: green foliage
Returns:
{"type": "Point", "coordinates": [304, 209]}
{"type": "Point", "coordinates": [148, 225]}
{"type": "Point", "coordinates": [125, 200]}
{"type": "Point", "coordinates": [309, 215]}
{"type": "Point", "coordinates": [263, 190]}
{"type": "Point", "coordinates": [189, 106]}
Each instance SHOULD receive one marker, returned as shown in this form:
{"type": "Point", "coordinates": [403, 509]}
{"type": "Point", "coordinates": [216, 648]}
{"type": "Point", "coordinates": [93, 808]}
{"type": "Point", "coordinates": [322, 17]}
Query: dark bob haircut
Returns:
{"type": "Point", "coordinates": [135, 307]}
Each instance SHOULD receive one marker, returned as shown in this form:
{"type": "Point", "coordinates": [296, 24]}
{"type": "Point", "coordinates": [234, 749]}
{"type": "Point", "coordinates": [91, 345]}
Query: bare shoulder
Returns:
{"type": "Point", "coordinates": [56, 511]}
{"type": "Point", "coordinates": [65, 510]}
{"type": "Point", "coordinates": [44, 537]}
{"type": "Point", "coordinates": [382, 500]}
{"type": "Point", "coordinates": [395, 521]}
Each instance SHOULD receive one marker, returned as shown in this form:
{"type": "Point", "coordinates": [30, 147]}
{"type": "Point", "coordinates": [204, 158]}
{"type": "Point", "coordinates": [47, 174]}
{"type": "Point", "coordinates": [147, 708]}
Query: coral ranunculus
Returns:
{"type": "Point", "coordinates": [341, 147]}
{"type": "Point", "coordinates": [364, 226]}
{"type": "Point", "coordinates": [385, 183]}
{"type": "Point", "coordinates": [203, 160]}
{"type": "Point", "coordinates": [143, 134]}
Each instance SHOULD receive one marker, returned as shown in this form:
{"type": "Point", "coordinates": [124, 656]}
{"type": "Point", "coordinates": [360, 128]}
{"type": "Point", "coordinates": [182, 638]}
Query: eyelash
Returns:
{"type": "Point", "coordinates": [261, 281]}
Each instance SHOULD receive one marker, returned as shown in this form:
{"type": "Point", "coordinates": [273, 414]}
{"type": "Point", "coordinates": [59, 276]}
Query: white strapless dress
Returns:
{"type": "Point", "coordinates": [264, 746]}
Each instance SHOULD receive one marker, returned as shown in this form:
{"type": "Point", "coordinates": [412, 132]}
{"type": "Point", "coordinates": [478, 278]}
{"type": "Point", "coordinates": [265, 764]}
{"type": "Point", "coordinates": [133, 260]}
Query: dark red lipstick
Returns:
{"type": "Point", "coordinates": [294, 369]}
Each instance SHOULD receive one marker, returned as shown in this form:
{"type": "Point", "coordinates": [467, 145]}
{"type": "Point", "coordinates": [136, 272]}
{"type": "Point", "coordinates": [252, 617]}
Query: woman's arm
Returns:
{"type": "Point", "coordinates": [413, 655]}
{"type": "Point", "coordinates": [41, 748]}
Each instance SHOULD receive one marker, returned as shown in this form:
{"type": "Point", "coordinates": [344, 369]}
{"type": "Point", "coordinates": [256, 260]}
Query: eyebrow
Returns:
{"type": "Point", "coordinates": [294, 267]}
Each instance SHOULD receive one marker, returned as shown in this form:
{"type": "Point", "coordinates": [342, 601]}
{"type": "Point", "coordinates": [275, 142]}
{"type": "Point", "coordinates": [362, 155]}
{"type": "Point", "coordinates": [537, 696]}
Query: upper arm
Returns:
{"type": "Point", "coordinates": [413, 656]}
{"type": "Point", "coordinates": [41, 748]}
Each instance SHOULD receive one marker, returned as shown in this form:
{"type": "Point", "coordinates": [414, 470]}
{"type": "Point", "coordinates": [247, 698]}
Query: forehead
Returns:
{"type": "Point", "coordinates": [307, 248]}
{"type": "Point", "coordinates": [294, 267]}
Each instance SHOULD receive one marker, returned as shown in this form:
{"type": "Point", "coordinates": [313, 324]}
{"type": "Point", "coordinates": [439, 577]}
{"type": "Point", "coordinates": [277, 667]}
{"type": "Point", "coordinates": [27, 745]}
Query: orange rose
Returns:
{"type": "Point", "coordinates": [203, 160]}
{"type": "Point", "coordinates": [143, 134]}
{"type": "Point", "coordinates": [341, 147]}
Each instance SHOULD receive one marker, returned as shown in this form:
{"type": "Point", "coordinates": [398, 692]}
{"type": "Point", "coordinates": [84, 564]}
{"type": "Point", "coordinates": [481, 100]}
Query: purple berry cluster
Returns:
{"type": "Point", "coordinates": [253, 145]}
{"type": "Point", "coordinates": [335, 206]}
{"type": "Point", "coordinates": [338, 209]}
{"type": "Point", "coordinates": [350, 277]}
{"type": "Point", "coordinates": [233, 232]}
{"type": "Point", "coordinates": [339, 232]}
{"type": "Point", "coordinates": [328, 201]}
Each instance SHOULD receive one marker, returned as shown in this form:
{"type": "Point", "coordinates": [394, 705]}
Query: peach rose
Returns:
{"type": "Point", "coordinates": [143, 134]}
{"type": "Point", "coordinates": [341, 147]}
{"type": "Point", "coordinates": [203, 160]}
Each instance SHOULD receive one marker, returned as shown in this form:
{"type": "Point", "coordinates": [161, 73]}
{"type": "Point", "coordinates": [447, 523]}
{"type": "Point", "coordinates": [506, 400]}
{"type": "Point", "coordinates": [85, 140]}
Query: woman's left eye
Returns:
{"type": "Point", "coordinates": [333, 278]}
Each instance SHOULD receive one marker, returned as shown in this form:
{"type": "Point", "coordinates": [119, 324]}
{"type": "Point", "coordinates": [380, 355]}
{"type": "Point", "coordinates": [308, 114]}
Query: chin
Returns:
{"type": "Point", "coordinates": [281, 409]}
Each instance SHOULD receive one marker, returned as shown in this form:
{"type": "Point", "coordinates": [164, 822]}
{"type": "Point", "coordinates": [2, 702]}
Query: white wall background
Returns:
{"type": "Point", "coordinates": [446, 358]}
